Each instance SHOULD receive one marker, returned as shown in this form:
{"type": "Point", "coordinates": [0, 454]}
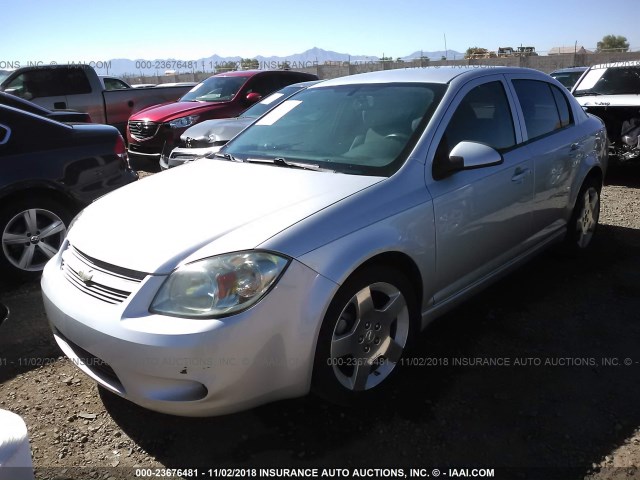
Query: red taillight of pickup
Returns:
{"type": "Point", "coordinates": [120, 150]}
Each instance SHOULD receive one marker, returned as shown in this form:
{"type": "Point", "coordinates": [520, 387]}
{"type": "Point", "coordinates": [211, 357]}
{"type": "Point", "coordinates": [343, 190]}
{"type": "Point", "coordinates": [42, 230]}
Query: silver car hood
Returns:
{"type": "Point", "coordinates": [219, 130]}
{"type": "Point", "coordinates": [201, 209]}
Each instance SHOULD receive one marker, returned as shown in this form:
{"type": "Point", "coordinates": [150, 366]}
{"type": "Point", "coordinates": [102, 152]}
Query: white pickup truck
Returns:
{"type": "Point", "coordinates": [78, 87]}
{"type": "Point", "coordinates": [611, 91]}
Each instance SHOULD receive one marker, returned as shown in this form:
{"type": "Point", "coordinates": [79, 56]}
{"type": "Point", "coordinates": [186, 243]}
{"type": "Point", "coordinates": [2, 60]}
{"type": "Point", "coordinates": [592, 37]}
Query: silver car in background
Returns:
{"type": "Point", "coordinates": [324, 237]}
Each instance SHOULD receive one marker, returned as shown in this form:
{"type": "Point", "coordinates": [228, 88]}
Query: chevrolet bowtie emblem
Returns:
{"type": "Point", "coordinates": [85, 276]}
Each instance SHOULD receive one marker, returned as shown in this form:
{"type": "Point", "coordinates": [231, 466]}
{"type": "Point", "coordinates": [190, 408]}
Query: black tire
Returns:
{"type": "Point", "coordinates": [25, 260]}
{"type": "Point", "coordinates": [584, 219]}
{"type": "Point", "coordinates": [372, 340]}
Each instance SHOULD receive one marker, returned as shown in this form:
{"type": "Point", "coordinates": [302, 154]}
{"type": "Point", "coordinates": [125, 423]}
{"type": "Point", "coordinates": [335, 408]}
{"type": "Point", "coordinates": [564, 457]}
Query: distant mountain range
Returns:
{"type": "Point", "coordinates": [309, 58]}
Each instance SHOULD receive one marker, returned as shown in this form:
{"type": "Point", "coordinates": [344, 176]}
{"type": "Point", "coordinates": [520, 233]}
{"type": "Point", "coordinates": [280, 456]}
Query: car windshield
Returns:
{"type": "Point", "coordinates": [271, 101]}
{"type": "Point", "coordinates": [215, 89]}
{"type": "Point", "coordinates": [568, 79]}
{"type": "Point", "coordinates": [364, 129]}
{"type": "Point", "coordinates": [610, 81]}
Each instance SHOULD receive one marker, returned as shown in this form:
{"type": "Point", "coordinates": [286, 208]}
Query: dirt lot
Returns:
{"type": "Point", "coordinates": [563, 404]}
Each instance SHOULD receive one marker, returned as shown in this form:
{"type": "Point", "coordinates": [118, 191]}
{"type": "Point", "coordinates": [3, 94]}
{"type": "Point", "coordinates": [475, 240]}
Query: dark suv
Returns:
{"type": "Point", "coordinates": [48, 171]}
{"type": "Point", "coordinates": [156, 130]}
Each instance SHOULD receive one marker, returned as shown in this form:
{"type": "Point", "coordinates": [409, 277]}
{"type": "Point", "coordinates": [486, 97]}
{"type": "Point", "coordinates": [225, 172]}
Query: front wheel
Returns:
{"type": "Point", "coordinates": [32, 232]}
{"type": "Point", "coordinates": [366, 330]}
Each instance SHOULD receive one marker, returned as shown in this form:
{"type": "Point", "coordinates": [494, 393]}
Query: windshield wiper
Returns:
{"type": "Point", "coordinates": [281, 162]}
{"type": "Point", "coordinates": [225, 156]}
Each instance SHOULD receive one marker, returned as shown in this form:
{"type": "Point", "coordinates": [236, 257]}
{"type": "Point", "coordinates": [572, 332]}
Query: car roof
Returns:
{"type": "Point", "coordinates": [251, 73]}
{"type": "Point", "coordinates": [304, 84]}
{"type": "Point", "coordinates": [570, 69]}
{"type": "Point", "coordinates": [442, 75]}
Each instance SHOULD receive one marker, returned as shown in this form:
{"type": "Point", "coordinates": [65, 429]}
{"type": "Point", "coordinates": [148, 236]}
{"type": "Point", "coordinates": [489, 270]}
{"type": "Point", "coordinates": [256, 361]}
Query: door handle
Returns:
{"type": "Point", "coordinates": [60, 105]}
{"type": "Point", "coordinates": [574, 146]}
{"type": "Point", "coordinates": [519, 174]}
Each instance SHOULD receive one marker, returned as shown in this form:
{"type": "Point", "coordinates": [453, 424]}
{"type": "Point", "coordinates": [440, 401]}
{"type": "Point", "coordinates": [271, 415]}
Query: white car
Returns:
{"type": "Point", "coordinates": [323, 237]}
{"type": "Point", "coordinates": [611, 91]}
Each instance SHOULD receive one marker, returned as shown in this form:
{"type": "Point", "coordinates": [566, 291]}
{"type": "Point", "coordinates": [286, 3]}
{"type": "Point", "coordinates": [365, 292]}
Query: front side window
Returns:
{"type": "Point", "coordinates": [483, 116]}
{"type": "Point", "coordinates": [50, 83]}
{"type": "Point", "coordinates": [539, 107]}
{"type": "Point", "coordinates": [114, 84]}
{"type": "Point", "coordinates": [358, 129]}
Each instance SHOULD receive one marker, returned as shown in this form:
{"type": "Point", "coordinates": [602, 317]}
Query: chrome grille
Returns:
{"type": "Point", "coordinates": [140, 129]}
{"type": "Point", "coordinates": [99, 280]}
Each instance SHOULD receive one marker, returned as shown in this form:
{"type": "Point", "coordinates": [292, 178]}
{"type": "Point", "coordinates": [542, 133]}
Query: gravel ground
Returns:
{"type": "Point", "coordinates": [565, 406]}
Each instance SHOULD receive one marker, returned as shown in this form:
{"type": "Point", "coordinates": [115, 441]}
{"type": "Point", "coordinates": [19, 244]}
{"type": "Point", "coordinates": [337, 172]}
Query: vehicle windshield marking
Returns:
{"type": "Point", "coordinates": [278, 112]}
{"type": "Point", "coordinates": [590, 79]}
{"type": "Point", "coordinates": [271, 98]}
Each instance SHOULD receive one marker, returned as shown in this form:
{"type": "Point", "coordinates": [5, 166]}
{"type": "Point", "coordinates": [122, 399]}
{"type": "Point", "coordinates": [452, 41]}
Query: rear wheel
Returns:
{"type": "Point", "coordinates": [32, 231]}
{"type": "Point", "coordinates": [366, 330]}
{"type": "Point", "coordinates": [584, 220]}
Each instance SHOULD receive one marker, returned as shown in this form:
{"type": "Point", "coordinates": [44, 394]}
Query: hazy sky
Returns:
{"type": "Point", "coordinates": [72, 30]}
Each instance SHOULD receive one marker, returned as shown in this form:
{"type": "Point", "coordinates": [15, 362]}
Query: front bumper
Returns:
{"type": "Point", "coordinates": [192, 367]}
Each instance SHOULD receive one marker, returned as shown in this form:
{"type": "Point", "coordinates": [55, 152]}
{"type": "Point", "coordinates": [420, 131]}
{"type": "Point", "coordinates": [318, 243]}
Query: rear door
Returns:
{"type": "Point", "coordinates": [483, 216]}
{"type": "Point", "coordinates": [553, 145]}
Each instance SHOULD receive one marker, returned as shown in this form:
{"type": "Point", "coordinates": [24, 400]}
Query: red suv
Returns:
{"type": "Point", "coordinates": [156, 130]}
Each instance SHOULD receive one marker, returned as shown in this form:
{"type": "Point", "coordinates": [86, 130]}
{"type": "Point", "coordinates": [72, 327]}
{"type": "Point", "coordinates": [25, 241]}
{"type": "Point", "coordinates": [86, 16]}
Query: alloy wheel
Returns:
{"type": "Point", "coordinates": [588, 217]}
{"type": "Point", "coordinates": [370, 336]}
{"type": "Point", "coordinates": [31, 238]}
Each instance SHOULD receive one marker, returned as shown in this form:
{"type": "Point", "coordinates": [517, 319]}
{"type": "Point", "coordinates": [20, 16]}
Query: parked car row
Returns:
{"type": "Point", "coordinates": [78, 87]}
{"type": "Point", "coordinates": [310, 250]}
{"type": "Point", "coordinates": [156, 130]}
{"type": "Point", "coordinates": [206, 138]}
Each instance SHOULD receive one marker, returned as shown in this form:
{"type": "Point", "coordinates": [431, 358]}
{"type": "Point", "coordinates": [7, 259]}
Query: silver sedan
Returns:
{"type": "Point", "coordinates": [324, 237]}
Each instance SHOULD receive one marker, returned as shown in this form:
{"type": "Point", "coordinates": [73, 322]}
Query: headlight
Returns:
{"type": "Point", "coordinates": [218, 286]}
{"type": "Point", "coordinates": [183, 121]}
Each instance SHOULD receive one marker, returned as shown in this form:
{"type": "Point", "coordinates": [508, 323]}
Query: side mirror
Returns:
{"type": "Point", "coordinates": [466, 156]}
{"type": "Point", "coordinates": [253, 97]}
{"type": "Point", "coordinates": [474, 155]}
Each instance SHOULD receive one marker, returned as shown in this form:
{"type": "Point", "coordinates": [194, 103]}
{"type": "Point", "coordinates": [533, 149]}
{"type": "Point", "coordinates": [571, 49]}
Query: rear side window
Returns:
{"type": "Point", "coordinates": [563, 106]}
{"type": "Point", "coordinates": [76, 81]}
{"type": "Point", "coordinates": [544, 108]}
{"type": "Point", "coordinates": [264, 84]}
